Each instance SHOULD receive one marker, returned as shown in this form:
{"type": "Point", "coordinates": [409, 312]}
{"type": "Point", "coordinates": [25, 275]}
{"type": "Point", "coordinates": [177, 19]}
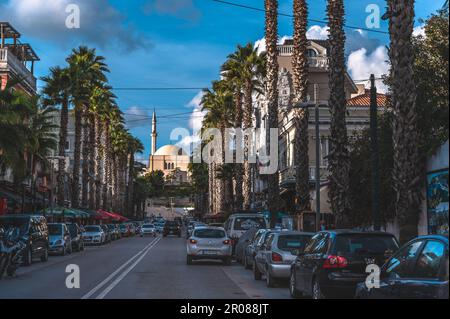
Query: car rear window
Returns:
{"type": "Point", "coordinates": [291, 242]}
{"type": "Point", "coordinates": [245, 223]}
{"type": "Point", "coordinates": [209, 233]}
{"type": "Point", "coordinates": [92, 229]}
{"type": "Point", "coordinates": [362, 244]}
{"type": "Point", "coordinates": [54, 229]}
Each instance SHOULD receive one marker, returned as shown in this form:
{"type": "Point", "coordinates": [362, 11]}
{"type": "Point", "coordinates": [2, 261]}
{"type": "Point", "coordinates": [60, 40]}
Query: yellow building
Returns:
{"type": "Point", "coordinates": [170, 159]}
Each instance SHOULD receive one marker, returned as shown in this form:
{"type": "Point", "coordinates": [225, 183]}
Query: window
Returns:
{"type": "Point", "coordinates": [401, 264]}
{"type": "Point", "coordinates": [318, 244]}
{"type": "Point", "coordinates": [67, 146]}
{"type": "Point", "coordinates": [311, 53]}
{"type": "Point", "coordinates": [429, 262]}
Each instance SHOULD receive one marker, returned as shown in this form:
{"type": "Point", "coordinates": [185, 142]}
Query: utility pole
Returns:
{"type": "Point", "coordinates": [317, 174]}
{"type": "Point", "coordinates": [374, 156]}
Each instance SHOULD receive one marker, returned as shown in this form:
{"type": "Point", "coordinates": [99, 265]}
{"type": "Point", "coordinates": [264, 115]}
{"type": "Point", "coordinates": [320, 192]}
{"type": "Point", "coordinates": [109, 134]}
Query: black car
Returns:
{"type": "Point", "coordinates": [108, 233]}
{"type": "Point", "coordinates": [171, 228]}
{"type": "Point", "coordinates": [419, 270]}
{"type": "Point", "coordinates": [34, 230]}
{"type": "Point", "coordinates": [335, 261]}
{"type": "Point", "coordinates": [76, 234]}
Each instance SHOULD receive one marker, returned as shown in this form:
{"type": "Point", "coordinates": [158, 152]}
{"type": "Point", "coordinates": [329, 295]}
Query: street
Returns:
{"type": "Point", "coordinates": [139, 268]}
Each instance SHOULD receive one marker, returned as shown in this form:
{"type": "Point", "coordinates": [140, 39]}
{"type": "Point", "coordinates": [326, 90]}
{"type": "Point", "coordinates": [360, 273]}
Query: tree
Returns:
{"type": "Point", "coordinates": [271, 31]}
{"type": "Point", "coordinates": [57, 92]}
{"type": "Point", "coordinates": [199, 182]}
{"type": "Point", "coordinates": [134, 146]}
{"type": "Point", "coordinates": [301, 116]}
{"type": "Point", "coordinates": [338, 158]}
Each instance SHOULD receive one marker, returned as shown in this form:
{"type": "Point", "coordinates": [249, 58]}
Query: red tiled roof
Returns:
{"type": "Point", "coordinates": [364, 100]}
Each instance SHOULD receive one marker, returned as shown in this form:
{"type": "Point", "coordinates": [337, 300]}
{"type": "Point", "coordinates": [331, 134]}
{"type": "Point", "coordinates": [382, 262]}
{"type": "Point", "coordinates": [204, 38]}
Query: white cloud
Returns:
{"type": "Point", "coordinates": [317, 32]}
{"type": "Point", "coordinates": [188, 143]}
{"type": "Point", "coordinates": [362, 64]}
{"type": "Point", "coordinates": [136, 116]}
{"type": "Point", "coordinates": [100, 23]}
{"type": "Point", "coordinates": [419, 31]}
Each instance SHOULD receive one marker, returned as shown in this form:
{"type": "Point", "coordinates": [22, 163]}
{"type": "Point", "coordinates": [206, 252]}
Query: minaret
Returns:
{"type": "Point", "coordinates": [154, 133]}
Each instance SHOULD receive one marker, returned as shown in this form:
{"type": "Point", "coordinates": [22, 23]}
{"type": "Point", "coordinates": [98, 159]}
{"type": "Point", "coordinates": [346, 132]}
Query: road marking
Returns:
{"type": "Point", "coordinates": [104, 282]}
{"type": "Point", "coordinates": [122, 276]}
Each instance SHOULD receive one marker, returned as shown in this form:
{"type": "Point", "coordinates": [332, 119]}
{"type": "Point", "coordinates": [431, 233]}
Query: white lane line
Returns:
{"type": "Point", "coordinates": [122, 276]}
{"type": "Point", "coordinates": [104, 282]}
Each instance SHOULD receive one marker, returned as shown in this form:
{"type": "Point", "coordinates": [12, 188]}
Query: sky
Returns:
{"type": "Point", "coordinates": [180, 44]}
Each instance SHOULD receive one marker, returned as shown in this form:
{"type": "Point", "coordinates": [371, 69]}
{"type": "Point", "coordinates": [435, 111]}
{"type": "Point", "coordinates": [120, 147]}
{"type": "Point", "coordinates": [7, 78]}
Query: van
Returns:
{"type": "Point", "coordinates": [237, 224]}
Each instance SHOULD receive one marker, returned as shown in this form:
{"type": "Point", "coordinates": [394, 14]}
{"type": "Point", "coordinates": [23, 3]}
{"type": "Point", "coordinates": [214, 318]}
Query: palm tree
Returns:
{"type": "Point", "coordinates": [249, 66]}
{"type": "Point", "coordinates": [57, 92]}
{"type": "Point", "coordinates": [85, 69]}
{"type": "Point", "coordinates": [407, 170]}
{"type": "Point", "coordinates": [338, 158]}
{"type": "Point", "coordinates": [271, 31]}
{"type": "Point", "coordinates": [134, 146]}
{"type": "Point", "coordinates": [301, 116]}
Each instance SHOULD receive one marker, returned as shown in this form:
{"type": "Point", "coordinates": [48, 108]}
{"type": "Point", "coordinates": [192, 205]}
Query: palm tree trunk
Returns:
{"type": "Point", "coordinates": [77, 157]}
{"type": "Point", "coordinates": [115, 184]}
{"type": "Point", "coordinates": [106, 159]}
{"type": "Point", "coordinates": [62, 150]}
{"type": "Point", "coordinates": [301, 116]}
{"type": "Point", "coordinates": [85, 164]}
{"type": "Point", "coordinates": [98, 161]}
{"type": "Point", "coordinates": [408, 169]}
{"type": "Point", "coordinates": [130, 204]}
{"type": "Point", "coordinates": [92, 158]}
{"type": "Point", "coordinates": [271, 30]}
{"type": "Point", "coordinates": [238, 193]}
{"type": "Point", "coordinates": [339, 164]}
{"type": "Point", "coordinates": [248, 112]}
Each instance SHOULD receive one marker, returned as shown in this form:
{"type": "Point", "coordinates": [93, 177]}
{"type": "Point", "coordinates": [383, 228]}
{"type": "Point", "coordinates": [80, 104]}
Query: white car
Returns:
{"type": "Point", "coordinates": [209, 243]}
{"type": "Point", "coordinates": [238, 224]}
{"type": "Point", "coordinates": [94, 234]}
{"type": "Point", "coordinates": [148, 230]}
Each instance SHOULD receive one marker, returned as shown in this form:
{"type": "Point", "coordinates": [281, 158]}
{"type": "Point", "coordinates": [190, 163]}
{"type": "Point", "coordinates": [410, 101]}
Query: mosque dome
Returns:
{"type": "Point", "coordinates": [170, 150]}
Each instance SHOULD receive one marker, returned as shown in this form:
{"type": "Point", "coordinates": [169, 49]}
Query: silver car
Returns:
{"type": "Point", "coordinates": [94, 234]}
{"type": "Point", "coordinates": [209, 243]}
{"type": "Point", "coordinates": [252, 247]}
{"type": "Point", "coordinates": [148, 230]}
{"type": "Point", "coordinates": [277, 253]}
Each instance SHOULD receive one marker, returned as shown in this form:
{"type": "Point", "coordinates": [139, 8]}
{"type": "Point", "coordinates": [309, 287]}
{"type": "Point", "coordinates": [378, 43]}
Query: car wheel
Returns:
{"type": "Point", "coordinates": [28, 257]}
{"type": "Point", "coordinates": [256, 273]}
{"type": "Point", "coordinates": [317, 290]}
{"type": "Point", "coordinates": [227, 261]}
{"type": "Point", "coordinates": [70, 250]}
{"type": "Point", "coordinates": [63, 253]}
{"type": "Point", "coordinates": [270, 281]}
{"type": "Point", "coordinates": [246, 264]}
{"type": "Point", "coordinates": [3, 264]}
{"type": "Point", "coordinates": [294, 292]}
{"type": "Point", "coordinates": [44, 257]}
{"type": "Point", "coordinates": [189, 260]}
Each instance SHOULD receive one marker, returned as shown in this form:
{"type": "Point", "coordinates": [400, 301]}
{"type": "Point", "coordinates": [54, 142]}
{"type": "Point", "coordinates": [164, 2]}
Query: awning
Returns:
{"type": "Point", "coordinates": [109, 215]}
{"type": "Point", "coordinates": [63, 212]}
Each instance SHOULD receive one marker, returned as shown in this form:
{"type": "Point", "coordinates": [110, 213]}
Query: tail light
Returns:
{"type": "Point", "coordinates": [335, 262]}
{"type": "Point", "coordinates": [227, 242]}
{"type": "Point", "coordinates": [192, 241]}
{"type": "Point", "coordinates": [277, 258]}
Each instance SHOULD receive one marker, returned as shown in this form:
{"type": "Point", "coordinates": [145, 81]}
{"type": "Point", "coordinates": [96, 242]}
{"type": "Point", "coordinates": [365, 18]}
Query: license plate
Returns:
{"type": "Point", "coordinates": [209, 252]}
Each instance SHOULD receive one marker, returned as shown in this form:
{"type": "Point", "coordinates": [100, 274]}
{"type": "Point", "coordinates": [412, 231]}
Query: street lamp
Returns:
{"type": "Point", "coordinates": [306, 106]}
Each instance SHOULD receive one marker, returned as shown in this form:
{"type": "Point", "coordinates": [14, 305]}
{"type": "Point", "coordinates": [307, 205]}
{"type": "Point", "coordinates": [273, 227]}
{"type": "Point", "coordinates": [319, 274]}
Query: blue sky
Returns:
{"type": "Point", "coordinates": [177, 43]}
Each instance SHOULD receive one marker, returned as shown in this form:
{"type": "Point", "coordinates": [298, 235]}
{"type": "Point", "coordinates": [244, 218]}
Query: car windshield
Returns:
{"type": "Point", "coordinates": [54, 229]}
{"type": "Point", "coordinates": [21, 223]}
{"type": "Point", "coordinates": [147, 226]}
{"type": "Point", "coordinates": [245, 223]}
{"type": "Point", "coordinates": [209, 233]}
{"type": "Point", "coordinates": [291, 242]}
{"type": "Point", "coordinates": [92, 229]}
{"type": "Point", "coordinates": [362, 244]}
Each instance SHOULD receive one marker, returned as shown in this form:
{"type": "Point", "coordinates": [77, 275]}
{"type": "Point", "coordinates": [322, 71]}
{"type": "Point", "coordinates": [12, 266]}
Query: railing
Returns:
{"type": "Point", "coordinates": [9, 60]}
{"type": "Point", "coordinates": [316, 62]}
{"type": "Point", "coordinates": [287, 175]}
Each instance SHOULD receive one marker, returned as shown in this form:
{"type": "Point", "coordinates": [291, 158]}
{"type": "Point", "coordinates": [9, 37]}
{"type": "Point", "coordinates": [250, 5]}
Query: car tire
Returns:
{"type": "Point", "coordinates": [270, 281]}
{"type": "Point", "coordinates": [293, 291]}
{"type": "Point", "coordinates": [44, 257]}
{"type": "Point", "coordinates": [317, 290]}
{"type": "Point", "coordinates": [227, 261]}
{"type": "Point", "coordinates": [256, 273]}
{"type": "Point", "coordinates": [63, 252]}
{"type": "Point", "coordinates": [28, 257]}
{"type": "Point", "coordinates": [70, 250]}
{"type": "Point", "coordinates": [246, 264]}
{"type": "Point", "coordinates": [189, 260]}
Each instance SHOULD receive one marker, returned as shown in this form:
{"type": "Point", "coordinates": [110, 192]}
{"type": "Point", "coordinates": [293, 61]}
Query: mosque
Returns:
{"type": "Point", "coordinates": [172, 160]}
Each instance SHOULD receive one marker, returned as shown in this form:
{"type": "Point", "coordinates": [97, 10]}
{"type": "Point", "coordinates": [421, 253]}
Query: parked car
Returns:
{"type": "Point", "coordinates": [242, 244]}
{"type": "Point", "coordinates": [419, 270]}
{"type": "Point", "coordinates": [59, 239]}
{"type": "Point", "coordinates": [192, 226]}
{"type": "Point", "coordinates": [76, 236]}
{"type": "Point", "coordinates": [159, 226]}
{"type": "Point", "coordinates": [115, 234]}
{"type": "Point", "coordinates": [148, 230]}
{"type": "Point", "coordinates": [171, 228]}
{"type": "Point", "coordinates": [250, 250]}
{"type": "Point", "coordinates": [335, 261]}
{"type": "Point", "coordinates": [124, 230]}
{"type": "Point", "coordinates": [94, 234]}
{"type": "Point", "coordinates": [132, 229]}
{"type": "Point", "coordinates": [209, 243]}
{"type": "Point", "coordinates": [35, 232]}
{"type": "Point", "coordinates": [274, 258]}
{"type": "Point", "coordinates": [108, 233]}
{"type": "Point", "coordinates": [237, 224]}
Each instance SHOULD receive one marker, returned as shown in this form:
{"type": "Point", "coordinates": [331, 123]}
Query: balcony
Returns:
{"type": "Point", "coordinates": [10, 64]}
{"type": "Point", "coordinates": [287, 175]}
{"type": "Point", "coordinates": [314, 62]}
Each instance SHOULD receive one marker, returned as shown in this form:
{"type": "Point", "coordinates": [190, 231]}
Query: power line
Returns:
{"type": "Point", "coordinates": [158, 88]}
{"type": "Point", "coordinates": [291, 16]}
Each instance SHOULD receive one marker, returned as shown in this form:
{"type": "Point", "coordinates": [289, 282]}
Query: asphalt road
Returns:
{"type": "Point", "coordinates": [142, 268]}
